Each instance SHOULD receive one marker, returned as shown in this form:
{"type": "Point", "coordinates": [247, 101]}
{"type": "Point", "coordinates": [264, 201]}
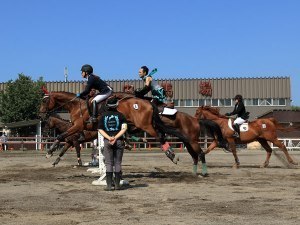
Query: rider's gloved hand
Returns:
{"type": "Point", "coordinates": [78, 95]}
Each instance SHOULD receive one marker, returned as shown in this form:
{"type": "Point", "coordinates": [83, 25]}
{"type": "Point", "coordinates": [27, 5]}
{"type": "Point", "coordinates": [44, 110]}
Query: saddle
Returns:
{"type": "Point", "coordinates": [167, 109]}
{"type": "Point", "coordinates": [243, 127]}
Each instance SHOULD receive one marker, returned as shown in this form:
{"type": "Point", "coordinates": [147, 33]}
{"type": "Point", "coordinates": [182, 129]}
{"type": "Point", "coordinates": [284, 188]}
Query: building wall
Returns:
{"type": "Point", "coordinates": [266, 92]}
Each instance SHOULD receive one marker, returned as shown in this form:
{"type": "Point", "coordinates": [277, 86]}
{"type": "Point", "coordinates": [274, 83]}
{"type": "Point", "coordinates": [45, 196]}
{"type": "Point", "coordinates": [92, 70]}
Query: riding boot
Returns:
{"type": "Point", "coordinates": [236, 128]}
{"type": "Point", "coordinates": [93, 118]}
{"type": "Point", "coordinates": [117, 181]}
{"type": "Point", "coordinates": [109, 176]}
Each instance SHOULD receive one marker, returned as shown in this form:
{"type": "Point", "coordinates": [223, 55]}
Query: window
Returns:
{"type": "Point", "coordinates": [282, 101]}
{"type": "Point", "coordinates": [214, 102]}
{"type": "Point", "coordinates": [201, 102]}
{"type": "Point", "coordinates": [176, 102]}
{"type": "Point", "coordinates": [188, 102]}
{"type": "Point", "coordinates": [224, 102]}
{"type": "Point", "coordinates": [195, 102]}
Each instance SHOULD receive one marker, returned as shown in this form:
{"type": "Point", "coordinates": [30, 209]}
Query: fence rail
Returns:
{"type": "Point", "coordinates": [290, 143]}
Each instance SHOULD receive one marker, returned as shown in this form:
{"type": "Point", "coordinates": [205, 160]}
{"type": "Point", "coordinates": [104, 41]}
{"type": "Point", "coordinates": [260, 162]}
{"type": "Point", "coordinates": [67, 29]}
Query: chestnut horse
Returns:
{"type": "Point", "coordinates": [137, 111]}
{"type": "Point", "coordinates": [261, 130]}
{"type": "Point", "coordinates": [140, 112]}
{"type": "Point", "coordinates": [54, 121]}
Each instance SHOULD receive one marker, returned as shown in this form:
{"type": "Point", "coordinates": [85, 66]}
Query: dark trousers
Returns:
{"type": "Point", "coordinates": [113, 155]}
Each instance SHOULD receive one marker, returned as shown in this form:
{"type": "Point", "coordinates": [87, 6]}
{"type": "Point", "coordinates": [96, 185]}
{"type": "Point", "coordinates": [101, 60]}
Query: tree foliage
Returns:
{"type": "Point", "coordinates": [295, 107]}
{"type": "Point", "coordinates": [21, 99]}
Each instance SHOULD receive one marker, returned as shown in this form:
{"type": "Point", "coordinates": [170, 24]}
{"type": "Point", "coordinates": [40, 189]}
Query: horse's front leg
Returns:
{"type": "Point", "coordinates": [62, 152]}
{"type": "Point", "coordinates": [232, 146]}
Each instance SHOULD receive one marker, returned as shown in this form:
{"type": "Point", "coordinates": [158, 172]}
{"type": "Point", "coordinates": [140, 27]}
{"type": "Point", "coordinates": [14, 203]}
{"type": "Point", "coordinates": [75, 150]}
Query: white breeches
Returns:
{"type": "Point", "coordinates": [100, 98]}
{"type": "Point", "coordinates": [239, 121]}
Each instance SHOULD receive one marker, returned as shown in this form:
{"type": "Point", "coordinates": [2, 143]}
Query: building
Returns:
{"type": "Point", "coordinates": [261, 95]}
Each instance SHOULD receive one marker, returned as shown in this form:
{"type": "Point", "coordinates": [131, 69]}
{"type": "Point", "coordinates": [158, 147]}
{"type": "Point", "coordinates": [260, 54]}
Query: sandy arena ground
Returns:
{"type": "Point", "coordinates": [33, 192]}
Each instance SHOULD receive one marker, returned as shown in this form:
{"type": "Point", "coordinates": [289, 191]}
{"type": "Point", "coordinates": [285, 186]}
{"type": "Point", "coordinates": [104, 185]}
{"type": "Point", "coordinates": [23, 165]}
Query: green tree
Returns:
{"type": "Point", "coordinates": [295, 107]}
{"type": "Point", "coordinates": [21, 99]}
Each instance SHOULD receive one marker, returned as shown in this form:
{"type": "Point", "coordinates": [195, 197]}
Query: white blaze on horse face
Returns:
{"type": "Point", "coordinates": [136, 106]}
{"type": "Point", "coordinates": [264, 126]}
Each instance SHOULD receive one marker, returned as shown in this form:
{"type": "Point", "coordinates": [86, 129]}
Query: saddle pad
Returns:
{"type": "Point", "coordinates": [243, 128]}
{"type": "Point", "coordinates": [168, 111]}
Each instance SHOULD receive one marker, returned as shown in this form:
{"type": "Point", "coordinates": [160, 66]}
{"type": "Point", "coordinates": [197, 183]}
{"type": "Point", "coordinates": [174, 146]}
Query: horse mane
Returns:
{"type": "Point", "coordinates": [213, 110]}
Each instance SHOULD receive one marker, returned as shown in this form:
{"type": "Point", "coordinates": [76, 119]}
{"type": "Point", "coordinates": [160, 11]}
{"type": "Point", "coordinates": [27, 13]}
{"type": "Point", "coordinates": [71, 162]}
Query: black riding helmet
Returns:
{"type": "Point", "coordinates": [87, 68]}
{"type": "Point", "coordinates": [238, 97]}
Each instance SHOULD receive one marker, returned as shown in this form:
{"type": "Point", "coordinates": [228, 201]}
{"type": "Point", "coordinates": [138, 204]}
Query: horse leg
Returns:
{"type": "Point", "coordinates": [77, 148]}
{"type": "Point", "coordinates": [167, 148]}
{"type": "Point", "coordinates": [52, 149]}
{"type": "Point", "coordinates": [282, 147]}
{"type": "Point", "coordinates": [196, 152]}
{"type": "Point", "coordinates": [232, 146]}
{"type": "Point", "coordinates": [211, 147]}
{"type": "Point", "coordinates": [267, 147]}
{"type": "Point", "coordinates": [62, 152]}
{"type": "Point", "coordinates": [194, 157]}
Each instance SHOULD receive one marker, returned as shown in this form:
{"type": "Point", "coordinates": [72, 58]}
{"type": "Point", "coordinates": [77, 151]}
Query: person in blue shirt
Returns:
{"type": "Point", "coordinates": [112, 126]}
{"type": "Point", "coordinates": [94, 82]}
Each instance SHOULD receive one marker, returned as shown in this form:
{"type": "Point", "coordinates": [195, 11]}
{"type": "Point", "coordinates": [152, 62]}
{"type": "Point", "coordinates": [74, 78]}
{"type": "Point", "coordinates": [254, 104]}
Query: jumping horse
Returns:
{"type": "Point", "coordinates": [141, 113]}
{"type": "Point", "coordinates": [261, 130]}
{"type": "Point", "coordinates": [54, 121]}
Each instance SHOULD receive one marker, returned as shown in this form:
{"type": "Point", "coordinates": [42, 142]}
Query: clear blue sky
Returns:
{"type": "Point", "coordinates": [182, 38]}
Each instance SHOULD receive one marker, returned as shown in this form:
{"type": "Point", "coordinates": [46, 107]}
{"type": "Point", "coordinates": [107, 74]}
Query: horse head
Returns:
{"type": "Point", "coordinates": [199, 113]}
{"type": "Point", "coordinates": [46, 105]}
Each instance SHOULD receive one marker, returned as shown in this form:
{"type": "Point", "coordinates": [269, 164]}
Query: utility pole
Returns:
{"type": "Point", "coordinates": [66, 74]}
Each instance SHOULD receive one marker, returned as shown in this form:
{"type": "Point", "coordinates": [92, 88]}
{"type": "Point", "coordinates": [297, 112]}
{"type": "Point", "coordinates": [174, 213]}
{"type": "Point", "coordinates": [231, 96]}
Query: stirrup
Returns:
{"type": "Point", "coordinates": [236, 135]}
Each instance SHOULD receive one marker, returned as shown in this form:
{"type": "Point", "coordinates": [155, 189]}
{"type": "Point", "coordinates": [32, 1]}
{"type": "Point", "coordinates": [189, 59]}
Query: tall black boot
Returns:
{"type": "Point", "coordinates": [109, 176]}
{"type": "Point", "coordinates": [117, 181]}
{"type": "Point", "coordinates": [236, 128]}
{"type": "Point", "coordinates": [93, 118]}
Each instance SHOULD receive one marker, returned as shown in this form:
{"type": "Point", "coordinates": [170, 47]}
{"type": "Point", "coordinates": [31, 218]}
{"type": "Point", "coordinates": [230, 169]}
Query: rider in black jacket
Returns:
{"type": "Point", "coordinates": [242, 115]}
{"type": "Point", "coordinates": [94, 82]}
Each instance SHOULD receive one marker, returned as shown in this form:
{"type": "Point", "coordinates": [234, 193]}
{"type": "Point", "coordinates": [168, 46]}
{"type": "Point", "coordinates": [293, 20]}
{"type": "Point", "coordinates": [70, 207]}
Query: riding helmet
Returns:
{"type": "Point", "coordinates": [87, 68]}
{"type": "Point", "coordinates": [238, 97]}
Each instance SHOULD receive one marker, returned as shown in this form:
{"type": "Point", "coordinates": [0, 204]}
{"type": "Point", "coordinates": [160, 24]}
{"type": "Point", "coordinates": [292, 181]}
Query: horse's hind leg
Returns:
{"type": "Point", "coordinates": [197, 153]}
{"type": "Point", "coordinates": [78, 148]}
{"type": "Point", "coordinates": [280, 145]}
{"type": "Point", "coordinates": [267, 147]}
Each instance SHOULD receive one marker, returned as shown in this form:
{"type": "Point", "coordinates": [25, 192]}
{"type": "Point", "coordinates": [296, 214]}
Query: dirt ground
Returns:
{"type": "Point", "coordinates": [33, 192]}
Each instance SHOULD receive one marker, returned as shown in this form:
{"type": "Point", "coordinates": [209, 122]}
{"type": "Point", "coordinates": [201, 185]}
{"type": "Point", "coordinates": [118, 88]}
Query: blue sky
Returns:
{"type": "Point", "coordinates": [182, 38]}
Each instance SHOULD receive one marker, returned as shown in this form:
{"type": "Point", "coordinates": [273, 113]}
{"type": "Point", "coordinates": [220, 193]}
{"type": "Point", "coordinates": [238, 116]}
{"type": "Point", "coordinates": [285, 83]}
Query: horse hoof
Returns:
{"type": "Point", "coordinates": [294, 163]}
{"type": "Point", "coordinates": [236, 166]}
{"type": "Point", "coordinates": [265, 165]}
{"type": "Point", "coordinates": [48, 155]}
{"type": "Point", "coordinates": [176, 159]}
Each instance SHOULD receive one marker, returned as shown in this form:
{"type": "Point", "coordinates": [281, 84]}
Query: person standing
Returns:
{"type": "Point", "coordinates": [242, 115]}
{"type": "Point", "coordinates": [112, 126]}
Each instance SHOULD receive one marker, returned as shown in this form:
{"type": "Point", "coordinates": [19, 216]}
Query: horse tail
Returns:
{"type": "Point", "coordinates": [213, 128]}
{"type": "Point", "coordinates": [281, 127]}
{"type": "Point", "coordinates": [159, 124]}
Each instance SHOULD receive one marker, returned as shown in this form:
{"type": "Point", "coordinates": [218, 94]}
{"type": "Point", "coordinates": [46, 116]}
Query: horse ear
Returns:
{"type": "Point", "coordinates": [44, 89]}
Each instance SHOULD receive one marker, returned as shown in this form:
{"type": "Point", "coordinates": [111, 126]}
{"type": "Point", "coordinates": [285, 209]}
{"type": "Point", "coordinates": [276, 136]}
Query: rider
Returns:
{"type": "Point", "coordinates": [95, 82]}
{"type": "Point", "coordinates": [242, 115]}
{"type": "Point", "coordinates": [158, 93]}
